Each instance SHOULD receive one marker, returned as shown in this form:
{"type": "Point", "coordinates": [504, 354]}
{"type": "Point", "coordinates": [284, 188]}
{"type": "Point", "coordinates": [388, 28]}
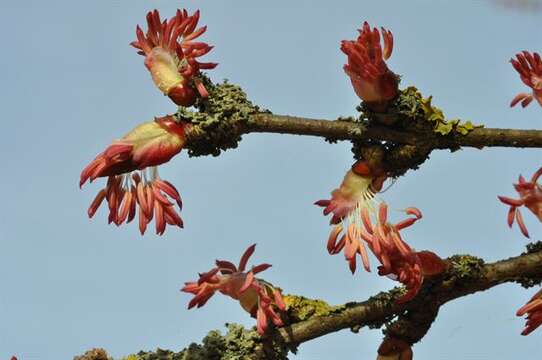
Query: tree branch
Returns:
{"type": "Point", "coordinates": [347, 130]}
{"type": "Point", "coordinates": [466, 275]}
{"type": "Point", "coordinates": [409, 130]}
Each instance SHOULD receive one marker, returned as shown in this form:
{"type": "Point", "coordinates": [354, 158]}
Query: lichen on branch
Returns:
{"type": "Point", "coordinates": [220, 120]}
{"type": "Point", "coordinates": [414, 112]}
{"type": "Point", "coordinates": [410, 129]}
{"type": "Point", "coordinates": [238, 343]}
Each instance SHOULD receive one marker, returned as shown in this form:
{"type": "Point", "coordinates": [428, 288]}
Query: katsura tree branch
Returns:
{"type": "Point", "coordinates": [347, 130]}
{"type": "Point", "coordinates": [396, 140]}
{"type": "Point", "coordinates": [405, 134]}
{"type": "Point", "coordinates": [467, 275]}
{"type": "Point", "coordinates": [314, 318]}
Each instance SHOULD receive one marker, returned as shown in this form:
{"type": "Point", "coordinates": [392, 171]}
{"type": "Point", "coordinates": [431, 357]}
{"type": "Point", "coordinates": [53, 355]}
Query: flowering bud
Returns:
{"type": "Point", "coordinates": [529, 67]}
{"type": "Point", "coordinates": [130, 164]}
{"type": "Point", "coordinates": [373, 82]}
{"type": "Point", "coordinates": [171, 55]}
{"type": "Point", "coordinates": [258, 297]}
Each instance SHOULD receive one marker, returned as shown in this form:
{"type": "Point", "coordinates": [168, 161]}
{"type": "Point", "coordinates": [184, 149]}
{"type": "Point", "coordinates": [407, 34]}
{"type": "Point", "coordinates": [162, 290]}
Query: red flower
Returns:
{"type": "Point", "coordinates": [358, 189]}
{"type": "Point", "coordinates": [530, 196]}
{"type": "Point", "coordinates": [394, 349]}
{"type": "Point", "coordinates": [529, 67]}
{"type": "Point", "coordinates": [353, 205]}
{"type": "Point", "coordinates": [148, 145]}
{"type": "Point", "coordinates": [533, 309]}
{"type": "Point", "coordinates": [373, 82]}
{"type": "Point", "coordinates": [171, 52]}
{"type": "Point", "coordinates": [258, 297]}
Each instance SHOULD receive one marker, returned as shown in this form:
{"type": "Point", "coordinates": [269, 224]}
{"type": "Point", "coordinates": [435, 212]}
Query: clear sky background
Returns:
{"type": "Point", "coordinates": [71, 84]}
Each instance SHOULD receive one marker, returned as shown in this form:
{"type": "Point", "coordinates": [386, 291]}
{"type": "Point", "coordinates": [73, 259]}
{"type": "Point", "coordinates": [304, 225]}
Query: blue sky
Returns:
{"type": "Point", "coordinates": [71, 84]}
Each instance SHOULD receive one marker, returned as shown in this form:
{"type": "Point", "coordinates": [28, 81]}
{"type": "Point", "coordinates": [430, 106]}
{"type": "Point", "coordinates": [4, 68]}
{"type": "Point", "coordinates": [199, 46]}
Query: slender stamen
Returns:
{"type": "Point", "coordinates": [154, 173]}
{"type": "Point", "coordinates": [367, 200]}
{"type": "Point", "coordinates": [144, 177]}
{"type": "Point", "coordinates": [127, 181]}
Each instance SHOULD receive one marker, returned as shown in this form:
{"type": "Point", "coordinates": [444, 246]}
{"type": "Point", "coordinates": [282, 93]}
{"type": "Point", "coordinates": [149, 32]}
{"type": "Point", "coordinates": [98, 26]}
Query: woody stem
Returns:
{"type": "Point", "coordinates": [348, 130]}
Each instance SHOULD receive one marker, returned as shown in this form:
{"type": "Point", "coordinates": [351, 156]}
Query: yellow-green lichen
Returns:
{"type": "Point", "coordinates": [94, 354]}
{"type": "Point", "coordinates": [422, 124]}
{"type": "Point", "coordinates": [238, 344]}
{"type": "Point", "coordinates": [411, 104]}
{"type": "Point", "coordinates": [466, 267]}
{"type": "Point", "coordinates": [130, 357]}
{"type": "Point", "coordinates": [218, 123]}
{"type": "Point", "coordinates": [300, 308]}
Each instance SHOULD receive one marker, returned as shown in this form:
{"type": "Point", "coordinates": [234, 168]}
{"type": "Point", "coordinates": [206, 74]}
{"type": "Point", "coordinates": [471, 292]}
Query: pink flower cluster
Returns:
{"type": "Point", "coordinates": [529, 67]}
{"type": "Point", "coordinates": [171, 55]}
{"type": "Point", "coordinates": [258, 297]}
{"type": "Point", "coordinates": [373, 82]}
{"type": "Point", "coordinates": [394, 349]}
{"type": "Point", "coordinates": [352, 205]}
{"type": "Point", "coordinates": [130, 164]}
{"type": "Point", "coordinates": [533, 309]}
{"type": "Point", "coordinates": [530, 196]}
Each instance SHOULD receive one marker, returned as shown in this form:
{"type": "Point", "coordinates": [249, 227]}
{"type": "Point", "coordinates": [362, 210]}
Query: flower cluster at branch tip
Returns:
{"type": "Point", "coordinates": [530, 196]}
{"type": "Point", "coordinates": [373, 82]}
{"type": "Point", "coordinates": [353, 205]}
{"type": "Point", "coordinates": [529, 67]}
{"type": "Point", "coordinates": [533, 309]}
{"type": "Point", "coordinates": [130, 165]}
{"type": "Point", "coordinates": [258, 297]}
{"type": "Point", "coordinates": [171, 55]}
{"type": "Point", "coordinates": [394, 349]}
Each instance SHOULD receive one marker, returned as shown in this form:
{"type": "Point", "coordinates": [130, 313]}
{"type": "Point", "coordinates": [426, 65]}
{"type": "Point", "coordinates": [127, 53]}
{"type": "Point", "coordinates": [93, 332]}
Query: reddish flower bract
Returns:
{"type": "Point", "coordinates": [530, 196]}
{"type": "Point", "coordinates": [394, 349]}
{"type": "Point", "coordinates": [373, 82]}
{"type": "Point", "coordinates": [529, 67]}
{"type": "Point", "coordinates": [171, 55]}
{"type": "Point", "coordinates": [357, 190]}
{"type": "Point", "coordinates": [258, 297]}
{"type": "Point", "coordinates": [354, 210]}
{"type": "Point", "coordinates": [148, 145]}
{"type": "Point", "coordinates": [533, 309]}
